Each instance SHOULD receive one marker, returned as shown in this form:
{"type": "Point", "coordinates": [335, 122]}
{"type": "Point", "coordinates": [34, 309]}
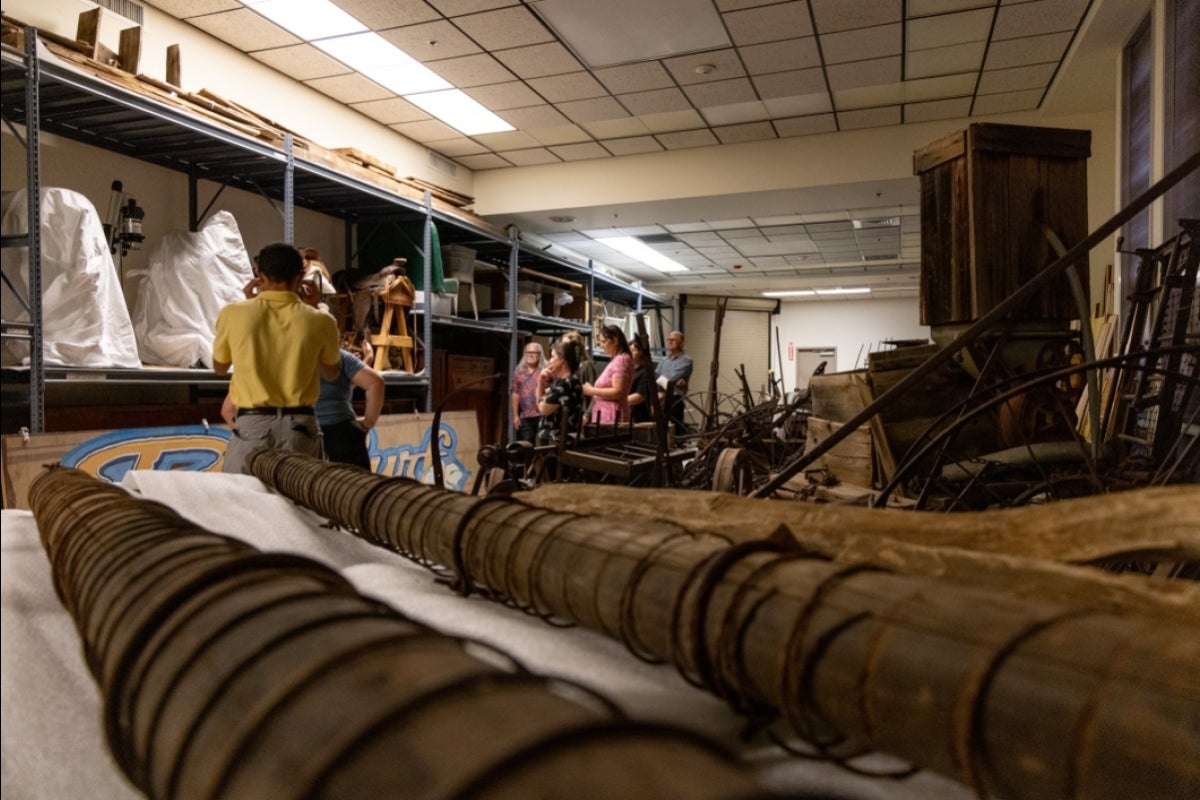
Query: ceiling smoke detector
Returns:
{"type": "Point", "coordinates": [705, 69]}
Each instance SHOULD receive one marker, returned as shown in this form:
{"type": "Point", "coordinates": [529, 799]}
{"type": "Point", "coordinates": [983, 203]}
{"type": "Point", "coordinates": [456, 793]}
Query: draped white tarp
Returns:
{"type": "Point", "coordinates": [85, 322]}
{"type": "Point", "coordinates": [190, 277]}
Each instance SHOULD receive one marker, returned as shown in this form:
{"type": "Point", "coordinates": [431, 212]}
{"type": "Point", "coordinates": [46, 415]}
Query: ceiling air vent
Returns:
{"type": "Point", "coordinates": [442, 164]}
{"type": "Point", "coordinates": [127, 9]}
{"type": "Point", "coordinates": [656, 238]}
{"type": "Point", "coordinates": [880, 257]}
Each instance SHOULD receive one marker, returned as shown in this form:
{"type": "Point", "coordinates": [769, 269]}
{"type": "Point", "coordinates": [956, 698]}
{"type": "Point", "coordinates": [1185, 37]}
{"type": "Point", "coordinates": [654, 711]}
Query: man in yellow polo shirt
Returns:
{"type": "Point", "coordinates": [278, 346]}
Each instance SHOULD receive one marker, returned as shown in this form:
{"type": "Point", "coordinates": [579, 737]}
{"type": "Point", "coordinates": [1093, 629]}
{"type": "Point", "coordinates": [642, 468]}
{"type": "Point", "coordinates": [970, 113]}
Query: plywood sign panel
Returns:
{"type": "Point", "coordinates": [400, 445]}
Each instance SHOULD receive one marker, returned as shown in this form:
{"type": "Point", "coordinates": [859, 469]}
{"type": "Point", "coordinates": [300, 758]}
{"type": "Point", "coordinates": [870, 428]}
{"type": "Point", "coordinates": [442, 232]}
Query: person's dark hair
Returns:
{"type": "Point", "coordinates": [568, 352]}
{"type": "Point", "coordinates": [644, 358]}
{"type": "Point", "coordinates": [280, 262]}
{"type": "Point", "coordinates": [617, 335]}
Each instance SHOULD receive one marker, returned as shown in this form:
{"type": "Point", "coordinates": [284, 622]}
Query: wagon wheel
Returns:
{"type": "Point", "coordinates": [733, 472]}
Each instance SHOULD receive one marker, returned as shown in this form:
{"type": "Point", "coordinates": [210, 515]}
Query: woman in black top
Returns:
{"type": "Point", "coordinates": [560, 392]}
{"type": "Point", "coordinates": [643, 379]}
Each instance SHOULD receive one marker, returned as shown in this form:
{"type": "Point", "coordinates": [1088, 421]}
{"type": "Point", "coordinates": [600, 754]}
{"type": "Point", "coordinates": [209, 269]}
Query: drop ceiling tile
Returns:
{"type": "Point", "coordinates": [826, 221]}
{"type": "Point", "coordinates": [721, 93]}
{"type": "Point", "coordinates": [466, 71]}
{"type": "Point", "coordinates": [507, 140]}
{"type": "Point", "coordinates": [632, 145]}
{"type": "Point", "coordinates": [528, 158]}
{"type": "Point", "coordinates": [539, 116]}
{"type": "Point", "coordinates": [948, 29]}
{"type": "Point", "coordinates": [682, 140]}
{"type": "Point", "coordinates": [594, 110]}
{"type": "Point", "coordinates": [572, 86]}
{"type": "Point", "coordinates": [302, 62]}
{"type": "Point", "coordinates": [748, 132]}
{"type": "Point", "coordinates": [186, 9]}
{"type": "Point", "coordinates": [462, 146]}
{"type": "Point", "coordinates": [634, 77]}
{"type": "Point", "coordinates": [560, 134]}
{"type": "Point", "coordinates": [1015, 79]}
{"type": "Point", "coordinates": [790, 84]}
{"type": "Point", "coordinates": [672, 121]}
{"type": "Point", "coordinates": [391, 110]}
{"type": "Point", "coordinates": [799, 106]}
{"type": "Point", "coordinates": [838, 15]}
{"type": "Point", "coordinates": [805, 126]}
{"type": "Point", "coordinates": [538, 60]}
{"type": "Point", "coordinates": [429, 130]}
{"type": "Point", "coordinates": [707, 67]}
{"type": "Point", "coordinates": [869, 96]}
{"type": "Point", "coordinates": [1037, 17]}
{"type": "Point", "coordinates": [687, 227]}
{"type": "Point", "coordinates": [502, 96]}
{"type": "Point", "coordinates": [1006, 102]}
{"type": "Point", "coordinates": [1027, 50]}
{"type": "Point", "coordinates": [515, 26]}
{"type": "Point", "coordinates": [432, 41]}
{"type": "Point", "coordinates": [864, 73]}
{"type": "Point", "coordinates": [791, 54]}
{"type": "Point", "coordinates": [736, 114]}
{"type": "Point", "coordinates": [699, 238]}
{"type": "Point", "coordinates": [379, 15]}
{"type": "Point", "coordinates": [928, 7]}
{"type": "Point", "coordinates": [482, 162]}
{"type": "Point", "coordinates": [735, 236]}
{"type": "Point", "coordinates": [938, 88]}
{"type": "Point", "coordinates": [945, 60]}
{"type": "Point", "coordinates": [616, 128]}
{"type": "Point", "coordinates": [937, 109]}
{"type": "Point", "coordinates": [655, 102]}
{"type": "Point", "coordinates": [245, 30]}
{"type": "Point", "coordinates": [776, 231]}
{"type": "Point", "coordinates": [861, 44]}
{"type": "Point", "coordinates": [869, 118]}
{"type": "Point", "coordinates": [351, 88]}
{"type": "Point", "coordinates": [455, 8]}
{"type": "Point", "coordinates": [788, 222]}
{"type": "Point", "coordinates": [769, 23]}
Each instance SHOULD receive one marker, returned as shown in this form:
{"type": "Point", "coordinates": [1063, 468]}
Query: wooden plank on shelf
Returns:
{"type": "Point", "coordinates": [87, 31]}
{"type": "Point", "coordinates": [442, 193]}
{"type": "Point", "coordinates": [174, 71]}
{"type": "Point", "coordinates": [129, 52]}
{"type": "Point", "coordinates": [366, 160]}
{"type": "Point", "coordinates": [252, 114]}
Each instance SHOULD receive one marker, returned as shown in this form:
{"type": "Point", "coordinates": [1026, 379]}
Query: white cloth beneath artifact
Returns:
{"type": "Point", "coordinates": [53, 744]}
{"type": "Point", "coordinates": [85, 322]}
{"type": "Point", "coordinates": [190, 277]}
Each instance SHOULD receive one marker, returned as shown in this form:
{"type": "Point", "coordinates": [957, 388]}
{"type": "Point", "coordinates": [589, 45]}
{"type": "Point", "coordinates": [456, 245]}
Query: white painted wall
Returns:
{"type": "Point", "coordinates": [855, 327]}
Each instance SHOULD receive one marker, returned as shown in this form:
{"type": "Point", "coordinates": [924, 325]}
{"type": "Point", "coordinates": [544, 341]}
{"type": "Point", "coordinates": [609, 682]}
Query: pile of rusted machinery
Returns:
{"type": "Point", "coordinates": [1029, 392]}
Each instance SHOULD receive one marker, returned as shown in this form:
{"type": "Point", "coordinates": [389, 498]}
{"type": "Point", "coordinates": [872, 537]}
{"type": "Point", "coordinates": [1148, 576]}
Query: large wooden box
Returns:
{"type": "Point", "coordinates": [987, 195]}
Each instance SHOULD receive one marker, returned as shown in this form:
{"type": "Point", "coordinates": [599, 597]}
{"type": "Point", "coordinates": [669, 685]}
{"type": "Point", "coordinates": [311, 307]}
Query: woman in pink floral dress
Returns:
{"type": "Point", "coordinates": [610, 392]}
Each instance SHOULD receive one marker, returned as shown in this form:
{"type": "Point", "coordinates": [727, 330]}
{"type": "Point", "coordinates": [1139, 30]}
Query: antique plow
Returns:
{"type": "Point", "coordinates": [1019, 695]}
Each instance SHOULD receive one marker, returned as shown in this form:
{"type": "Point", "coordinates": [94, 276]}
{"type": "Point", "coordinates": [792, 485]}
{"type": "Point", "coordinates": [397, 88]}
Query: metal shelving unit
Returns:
{"type": "Point", "coordinates": [46, 94]}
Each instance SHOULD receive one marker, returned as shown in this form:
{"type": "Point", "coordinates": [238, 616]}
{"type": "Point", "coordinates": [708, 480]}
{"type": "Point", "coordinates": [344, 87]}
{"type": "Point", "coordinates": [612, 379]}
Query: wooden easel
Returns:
{"type": "Point", "coordinates": [398, 295]}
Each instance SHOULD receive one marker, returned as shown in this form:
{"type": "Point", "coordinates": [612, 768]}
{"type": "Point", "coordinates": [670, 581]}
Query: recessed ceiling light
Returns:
{"type": "Point", "coordinates": [642, 252]}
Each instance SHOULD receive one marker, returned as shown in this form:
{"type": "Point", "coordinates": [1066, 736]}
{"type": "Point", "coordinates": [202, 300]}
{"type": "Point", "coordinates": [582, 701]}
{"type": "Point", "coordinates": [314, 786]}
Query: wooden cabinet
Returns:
{"type": "Point", "coordinates": [988, 195]}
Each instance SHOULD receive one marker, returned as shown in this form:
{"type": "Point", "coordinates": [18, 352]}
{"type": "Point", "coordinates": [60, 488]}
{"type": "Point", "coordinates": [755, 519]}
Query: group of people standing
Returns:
{"type": "Point", "coordinates": [543, 391]}
{"type": "Point", "coordinates": [291, 383]}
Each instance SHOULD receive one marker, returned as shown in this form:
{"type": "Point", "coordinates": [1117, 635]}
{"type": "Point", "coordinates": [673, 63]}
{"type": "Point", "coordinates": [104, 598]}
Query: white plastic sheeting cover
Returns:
{"type": "Point", "coordinates": [191, 276]}
{"type": "Point", "coordinates": [84, 319]}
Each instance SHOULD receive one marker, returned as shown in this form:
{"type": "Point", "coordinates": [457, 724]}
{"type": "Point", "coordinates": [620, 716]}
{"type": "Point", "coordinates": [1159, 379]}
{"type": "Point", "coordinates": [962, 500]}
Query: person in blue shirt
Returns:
{"type": "Point", "coordinates": [344, 434]}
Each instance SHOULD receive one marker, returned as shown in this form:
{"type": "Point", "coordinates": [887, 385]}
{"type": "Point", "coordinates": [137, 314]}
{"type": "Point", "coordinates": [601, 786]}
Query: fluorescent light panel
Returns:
{"type": "Point", "coordinates": [340, 35]}
{"type": "Point", "coordinates": [640, 251]}
{"type": "Point", "coordinates": [308, 19]}
{"type": "Point", "coordinates": [817, 292]}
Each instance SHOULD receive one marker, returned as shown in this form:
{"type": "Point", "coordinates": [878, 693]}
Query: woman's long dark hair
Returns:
{"type": "Point", "coordinates": [569, 352]}
{"type": "Point", "coordinates": [617, 335]}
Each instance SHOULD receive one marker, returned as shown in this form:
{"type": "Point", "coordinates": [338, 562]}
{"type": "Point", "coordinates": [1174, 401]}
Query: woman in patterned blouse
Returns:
{"type": "Point", "coordinates": [610, 392]}
{"type": "Point", "coordinates": [559, 393]}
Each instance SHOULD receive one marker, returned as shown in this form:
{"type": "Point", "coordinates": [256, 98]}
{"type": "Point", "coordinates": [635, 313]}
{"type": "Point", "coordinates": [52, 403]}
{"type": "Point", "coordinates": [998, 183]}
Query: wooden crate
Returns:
{"type": "Point", "coordinates": [986, 193]}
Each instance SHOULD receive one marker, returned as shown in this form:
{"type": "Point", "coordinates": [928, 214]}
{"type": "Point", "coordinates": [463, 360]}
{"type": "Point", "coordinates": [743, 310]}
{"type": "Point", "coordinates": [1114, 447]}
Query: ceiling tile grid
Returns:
{"type": "Point", "coordinates": [783, 68]}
